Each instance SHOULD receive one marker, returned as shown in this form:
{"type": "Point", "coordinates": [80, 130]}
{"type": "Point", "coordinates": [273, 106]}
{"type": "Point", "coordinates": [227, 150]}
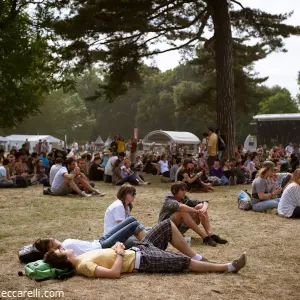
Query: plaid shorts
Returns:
{"type": "Point", "coordinates": [154, 257]}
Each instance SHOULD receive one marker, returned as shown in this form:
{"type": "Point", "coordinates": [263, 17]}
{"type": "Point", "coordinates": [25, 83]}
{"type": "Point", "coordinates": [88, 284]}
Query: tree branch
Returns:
{"type": "Point", "coordinates": [238, 3]}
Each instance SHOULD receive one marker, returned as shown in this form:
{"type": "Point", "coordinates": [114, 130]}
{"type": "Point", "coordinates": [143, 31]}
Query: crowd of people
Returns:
{"type": "Point", "coordinates": [127, 246]}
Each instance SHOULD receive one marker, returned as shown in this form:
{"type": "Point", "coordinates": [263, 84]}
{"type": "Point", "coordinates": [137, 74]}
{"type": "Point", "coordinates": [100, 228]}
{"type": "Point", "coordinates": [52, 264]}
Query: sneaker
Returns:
{"type": "Point", "coordinates": [218, 239]}
{"type": "Point", "coordinates": [272, 211]}
{"type": "Point", "coordinates": [84, 194]}
{"type": "Point", "coordinates": [239, 263]}
{"type": "Point", "coordinates": [231, 181]}
{"type": "Point", "coordinates": [98, 193]}
{"type": "Point", "coordinates": [209, 242]}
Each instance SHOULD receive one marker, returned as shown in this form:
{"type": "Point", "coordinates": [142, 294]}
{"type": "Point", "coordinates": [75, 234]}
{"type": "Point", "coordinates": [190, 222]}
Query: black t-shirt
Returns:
{"type": "Point", "coordinates": [94, 173]}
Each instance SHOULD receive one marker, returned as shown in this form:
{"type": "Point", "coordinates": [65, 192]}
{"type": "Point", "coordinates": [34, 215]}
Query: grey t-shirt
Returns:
{"type": "Point", "coordinates": [260, 185]}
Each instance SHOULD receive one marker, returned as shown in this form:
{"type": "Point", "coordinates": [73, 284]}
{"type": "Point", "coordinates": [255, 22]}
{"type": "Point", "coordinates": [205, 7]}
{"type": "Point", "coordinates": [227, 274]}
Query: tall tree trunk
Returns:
{"type": "Point", "coordinates": [225, 76]}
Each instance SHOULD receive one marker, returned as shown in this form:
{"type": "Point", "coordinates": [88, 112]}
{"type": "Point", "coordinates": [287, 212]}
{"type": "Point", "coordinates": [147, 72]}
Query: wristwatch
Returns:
{"type": "Point", "coordinates": [120, 254]}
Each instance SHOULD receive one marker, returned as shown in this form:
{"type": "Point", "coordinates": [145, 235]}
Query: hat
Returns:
{"type": "Point", "coordinates": [268, 164]}
{"type": "Point", "coordinates": [107, 152]}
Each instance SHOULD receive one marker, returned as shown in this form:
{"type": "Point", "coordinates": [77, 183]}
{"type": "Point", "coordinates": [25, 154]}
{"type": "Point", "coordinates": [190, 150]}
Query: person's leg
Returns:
{"type": "Point", "coordinates": [85, 184]}
{"type": "Point", "coordinates": [263, 206]}
{"type": "Point", "coordinates": [71, 183]}
{"type": "Point", "coordinates": [296, 213]}
{"type": "Point", "coordinates": [179, 217]}
{"type": "Point", "coordinates": [166, 174]}
{"type": "Point", "coordinates": [224, 180]}
{"type": "Point", "coordinates": [122, 235]}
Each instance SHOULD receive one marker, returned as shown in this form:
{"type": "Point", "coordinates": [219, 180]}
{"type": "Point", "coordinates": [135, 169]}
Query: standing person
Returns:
{"type": "Point", "coordinates": [128, 148]}
{"type": "Point", "coordinates": [212, 147]}
{"type": "Point", "coordinates": [87, 146]}
{"type": "Point", "coordinates": [114, 146]}
{"type": "Point", "coordinates": [140, 146]}
{"type": "Point", "coordinates": [133, 150]}
{"type": "Point", "coordinates": [121, 145]}
{"type": "Point", "coordinates": [27, 145]}
{"type": "Point", "coordinates": [289, 150]}
{"type": "Point", "coordinates": [221, 144]}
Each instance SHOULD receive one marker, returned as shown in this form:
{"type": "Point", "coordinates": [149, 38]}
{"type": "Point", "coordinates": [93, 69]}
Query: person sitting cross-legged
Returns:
{"type": "Point", "coordinates": [188, 214]}
{"type": "Point", "coordinates": [65, 183]}
{"type": "Point", "coordinates": [148, 256]}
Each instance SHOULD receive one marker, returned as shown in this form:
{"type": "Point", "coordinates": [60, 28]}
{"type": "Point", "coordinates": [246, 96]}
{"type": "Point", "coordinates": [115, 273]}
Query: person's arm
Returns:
{"type": "Point", "coordinates": [115, 271]}
{"type": "Point", "coordinates": [69, 176]}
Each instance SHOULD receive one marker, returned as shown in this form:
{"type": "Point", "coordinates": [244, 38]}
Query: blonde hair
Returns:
{"type": "Point", "coordinates": [296, 176]}
{"type": "Point", "coordinates": [267, 165]}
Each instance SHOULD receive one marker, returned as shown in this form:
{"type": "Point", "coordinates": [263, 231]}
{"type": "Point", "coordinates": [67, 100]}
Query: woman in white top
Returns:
{"type": "Point", "coordinates": [289, 204]}
{"type": "Point", "coordinates": [120, 210]}
{"type": "Point", "coordinates": [164, 166]}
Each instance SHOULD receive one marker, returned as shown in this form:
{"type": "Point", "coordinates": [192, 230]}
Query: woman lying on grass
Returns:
{"type": "Point", "coordinates": [148, 255]}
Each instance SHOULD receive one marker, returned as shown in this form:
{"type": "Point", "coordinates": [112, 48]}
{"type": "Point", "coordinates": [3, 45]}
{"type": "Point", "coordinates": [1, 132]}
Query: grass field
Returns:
{"type": "Point", "coordinates": [272, 245]}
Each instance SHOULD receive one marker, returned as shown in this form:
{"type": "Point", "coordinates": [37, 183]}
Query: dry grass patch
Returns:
{"type": "Point", "coordinates": [272, 244]}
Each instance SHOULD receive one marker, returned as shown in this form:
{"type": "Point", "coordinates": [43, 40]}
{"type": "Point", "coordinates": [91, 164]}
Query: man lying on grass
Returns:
{"type": "Point", "coordinates": [149, 255]}
{"type": "Point", "coordinates": [189, 214]}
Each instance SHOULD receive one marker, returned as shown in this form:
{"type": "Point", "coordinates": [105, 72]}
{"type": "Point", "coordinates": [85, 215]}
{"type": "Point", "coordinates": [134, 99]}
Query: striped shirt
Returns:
{"type": "Point", "coordinates": [290, 200]}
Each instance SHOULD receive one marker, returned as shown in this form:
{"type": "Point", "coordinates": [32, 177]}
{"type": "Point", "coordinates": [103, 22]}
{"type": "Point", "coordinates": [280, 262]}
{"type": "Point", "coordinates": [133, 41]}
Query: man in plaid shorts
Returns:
{"type": "Point", "coordinates": [149, 255]}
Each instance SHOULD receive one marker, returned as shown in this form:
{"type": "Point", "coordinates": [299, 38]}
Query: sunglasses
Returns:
{"type": "Point", "coordinates": [132, 193]}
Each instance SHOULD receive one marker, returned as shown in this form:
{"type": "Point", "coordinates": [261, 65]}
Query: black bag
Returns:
{"type": "Point", "coordinates": [21, 182]}
{"type": "Point", "coordinates": [29, 254]}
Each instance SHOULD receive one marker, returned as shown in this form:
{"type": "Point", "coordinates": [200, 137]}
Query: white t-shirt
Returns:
{"type": "Point", "coordinates": [109, 165]}
{"type": "Point", "coordinates": [115, 212]}
{"type": "Point", "coordinates": [164, 166]}
{"type": "Point", "coordinates": [251, 166]}
{"type": "Point", "coordinates": [54, 169]}
{"type": "Point", "coordinates": [80, 246]}
{"type": "Point", "coordinates": [123, 173]}
{"type": "Point", "coordinates": [2, 173]}
{"type": "Point", "coordinates": [59, 178]}
{"type": "Point", "coordinates": [76, 146]}
{"type": "Point", "coordinates": [289, 200]}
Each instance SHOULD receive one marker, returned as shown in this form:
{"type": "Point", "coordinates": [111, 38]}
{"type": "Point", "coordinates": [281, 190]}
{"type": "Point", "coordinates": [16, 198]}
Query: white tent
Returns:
{"type": "Point", "coordinates": [18, 139]}
{"type": "Point", "coordinates": [164, 137]}
{"type": "Point", "coordinates": [99, 141]}
{"type": "Point", "coordinates": [3, 139]}
{"type": "Point", "coordinates": [108, 142]}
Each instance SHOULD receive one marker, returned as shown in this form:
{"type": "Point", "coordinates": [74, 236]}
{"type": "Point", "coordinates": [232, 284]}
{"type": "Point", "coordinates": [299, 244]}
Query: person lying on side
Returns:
{"type": "Point", "coordinates": [149, 255]}
{"type": "Point", "coordinates": [120, 233]}
{"type": "Point", "coordinates": [188, 214]}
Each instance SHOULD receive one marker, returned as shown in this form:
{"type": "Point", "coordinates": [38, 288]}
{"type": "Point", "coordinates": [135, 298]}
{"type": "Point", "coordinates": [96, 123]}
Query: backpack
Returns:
{"type": "Point", "coordinates": [29, 254]}
{"type": "Point", "coordinates": [244, 200]}
{"type": "Point", "coordinates": [39, 270]}
{"type": "Point", "coordinates": [221, 144]}
{"type": "Point", "coordinates": [21, 182]}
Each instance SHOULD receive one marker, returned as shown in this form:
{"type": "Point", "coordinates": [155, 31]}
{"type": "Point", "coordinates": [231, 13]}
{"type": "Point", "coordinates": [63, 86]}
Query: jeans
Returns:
{"type": "Point", "coordinates": [7, 184]}
{"type": "Point", "coordinates": [122, 233]}
{"type": "Point", "coordinates": [132, 179]}
{"type": "Point", "coordinates": [224, 180]}
{"type": "Point", "coordinates": [263, 206]}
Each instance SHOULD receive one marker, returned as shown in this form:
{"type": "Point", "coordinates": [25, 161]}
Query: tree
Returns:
{"type": "Point", "coordinates": [280, 103]}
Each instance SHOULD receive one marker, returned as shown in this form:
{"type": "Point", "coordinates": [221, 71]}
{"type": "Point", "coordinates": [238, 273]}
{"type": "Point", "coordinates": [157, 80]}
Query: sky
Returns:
{"type": "Point", "coordinates": [281, 68]}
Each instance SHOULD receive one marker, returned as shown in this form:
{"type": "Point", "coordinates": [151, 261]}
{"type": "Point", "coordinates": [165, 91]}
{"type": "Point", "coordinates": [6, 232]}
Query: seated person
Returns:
{"type": "Point", "coordinates": [31, 163]}
{"type": "Point", "coordinates": [174, 169]}
{"type": "Point", "coordinates": [188, 214]}
{"type": "Point", "coordinates": [96, 171]}
{"type": "Point", "coordinates": [264, 194]}
{"type": "Point", "coordinates": [120, 209]}
{"type": "Point", "coordinates": [129, 176]}
{"type": "Point", "coordinates": [40, 173]}
{"type": "Point", "coordinates": [192, 180]}
{"type": "Point", "coordinates": [65, 183]}
{"type": "Point", "coordinates": [82, 164]}
{"type": "Point", "coordinates": [289, 204]}
{"type": "Point", "coordinates": [251, 166]}
{"type": "Point", "coordinates": [55, 168]}
{"type": "Point", "coordinates": [120, 233]}
{"type": "Point", "coordinates": [229, 171]}
{"type": "Point", "coordinates": [109, 166]}
{"type": "Point", "coordinates": [106, 156]}
{"type": "Point", "coordinates": [138, 165]}
{"type": "Point", "coordinates": [294, 163]}
{"type": "Point", "coordinates": [45, 160]}
{"type": "Point", "coordinates": [164, 166]}
{"type": "Point", "coordinates": [149, 255]}
{"type": "Point", "coordinates": [116, 173]}
{"type": "Point", "coordinates": [280, 179]}
{"type": "Point", "coordinates": [5, 181]}
{"type": "Point", "coordinates": [216, 171]}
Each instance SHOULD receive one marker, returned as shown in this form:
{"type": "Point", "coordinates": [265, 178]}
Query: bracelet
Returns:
{"type": "Point", "coordinates": [120, 254]}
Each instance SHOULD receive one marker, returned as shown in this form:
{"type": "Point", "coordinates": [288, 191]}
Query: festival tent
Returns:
{"type": "Point", "coordinates": [99, 141]}
{"type": "Point", "coordinates": [164, 137]}
{"type": "Point", "coordinates": [108, 142]}
{"type": "Point", "coordinates": [3, 139]}
{"type": "Point", "coordinates": [18, 139]}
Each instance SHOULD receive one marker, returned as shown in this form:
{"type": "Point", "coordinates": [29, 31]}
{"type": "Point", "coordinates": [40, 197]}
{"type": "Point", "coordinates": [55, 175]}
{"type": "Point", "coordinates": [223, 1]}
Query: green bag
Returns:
{"type": "Point", "coordinates": [39, 270]}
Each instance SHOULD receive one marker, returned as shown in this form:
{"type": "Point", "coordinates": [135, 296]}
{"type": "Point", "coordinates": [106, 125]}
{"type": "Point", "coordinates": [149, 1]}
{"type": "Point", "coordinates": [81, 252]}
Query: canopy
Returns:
{"type": "Point", "coordinates": [99, 141]}
{"type": "Point", "coordinates": [163, 137]}
{"type": "Point", "coordinates": [277, 117]}
{"type": "Point", "coordinates": [108, 142]}
{"type": "Point", "coordinates": [3, 139]}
